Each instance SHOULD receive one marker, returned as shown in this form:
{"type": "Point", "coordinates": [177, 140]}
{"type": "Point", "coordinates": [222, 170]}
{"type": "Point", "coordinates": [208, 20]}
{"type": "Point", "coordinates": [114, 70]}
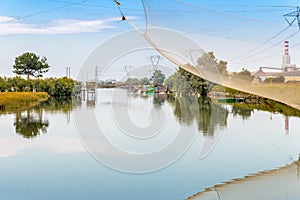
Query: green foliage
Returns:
{"type": "Point", "coordinates": [132, 81]}
{"type": "Point", "coordinates": [136, 81]}
{"type": "Point", "coordinates": [231, 92]}
{"type": "Point", "coordinates": [144, 81]}
{"type": "Point", "coordinates": [158, 77]}
{"type": "Point", "coordinates": [178, 83]}
{"type": "Point", "coordinates": [243, 75]}
{"type": "Point", "coordinates": [55, 87]}
{"type": "Point", "coordinates": [208, 62]}
{"type": "Point", "coordinates": [198, 84]}
{"type": "Point", "coordinates": [58, 87]}
{"type": "Point", "coordinates": [279, 79]}
{"type": "Point", "coordinates": [185, 82]}
{"type": "Point", "coordinates": [30, 64]}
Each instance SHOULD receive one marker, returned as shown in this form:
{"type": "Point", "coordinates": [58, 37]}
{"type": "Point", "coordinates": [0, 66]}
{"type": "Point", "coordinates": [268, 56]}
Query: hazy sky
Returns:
{"type": "Point", "coordinates": [245, 33]}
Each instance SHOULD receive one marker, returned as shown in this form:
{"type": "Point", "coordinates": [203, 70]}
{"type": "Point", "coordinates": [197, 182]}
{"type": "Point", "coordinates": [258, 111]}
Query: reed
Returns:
{"type": "Point", "coordinates": [18, 100]}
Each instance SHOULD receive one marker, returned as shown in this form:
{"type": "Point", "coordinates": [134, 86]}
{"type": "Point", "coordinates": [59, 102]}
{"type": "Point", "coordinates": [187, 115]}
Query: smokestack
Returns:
{"type": "Point", "coordinates": [286, 48]}
{"type": "Point", "coordinates": [286, 58]}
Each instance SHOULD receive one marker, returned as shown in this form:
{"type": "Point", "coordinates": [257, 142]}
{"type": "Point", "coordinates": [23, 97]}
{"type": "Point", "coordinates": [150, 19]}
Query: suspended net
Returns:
{"type": "Point", "coordinates": [249, 37]}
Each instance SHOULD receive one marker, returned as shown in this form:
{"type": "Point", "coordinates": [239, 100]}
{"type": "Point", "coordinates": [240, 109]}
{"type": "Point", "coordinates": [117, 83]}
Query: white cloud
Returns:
{"type": "Point", "coordinates": [11, 26]}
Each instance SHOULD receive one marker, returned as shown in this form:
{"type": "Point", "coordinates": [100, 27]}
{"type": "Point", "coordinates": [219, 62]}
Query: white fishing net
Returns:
{"type": "Point", "coordinates": [245, 35]}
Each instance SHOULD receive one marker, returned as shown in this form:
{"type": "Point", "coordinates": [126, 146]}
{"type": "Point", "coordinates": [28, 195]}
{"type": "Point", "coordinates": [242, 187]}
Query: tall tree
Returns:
{"type": "Point", "coordinates": [30, 64]}
{"type": "Point", "coordinates": [158, 77]}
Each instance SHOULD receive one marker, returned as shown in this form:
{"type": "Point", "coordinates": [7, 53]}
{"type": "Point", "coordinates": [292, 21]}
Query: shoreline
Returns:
{"type": "Point", "coordinates": [18, 101]}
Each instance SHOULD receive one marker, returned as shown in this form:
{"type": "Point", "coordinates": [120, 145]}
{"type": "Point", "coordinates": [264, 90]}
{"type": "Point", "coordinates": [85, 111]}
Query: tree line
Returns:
{"type": "Point", "coordinates": [185, 82]}
{"type": "Point", "coordinates": [31, 65]}
{"type": "Point", "coordinates": [56, 87]}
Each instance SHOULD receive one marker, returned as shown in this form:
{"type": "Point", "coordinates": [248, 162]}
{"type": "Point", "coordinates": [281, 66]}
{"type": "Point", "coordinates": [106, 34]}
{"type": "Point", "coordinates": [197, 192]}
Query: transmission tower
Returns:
{"type": "Point", "coordinates": [155, 59]}
{"type": "Point", "coordinates": [128, 69]}
{"type": "Point", "coordinates": [96, 74]}
{"type": "Point", "coordinates": [292, 17]}
{"type": "Point", "coordinates": [193, 54]}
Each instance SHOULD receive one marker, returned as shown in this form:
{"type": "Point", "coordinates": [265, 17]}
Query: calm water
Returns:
{"type": "Point", "coordinates": [42, 156]}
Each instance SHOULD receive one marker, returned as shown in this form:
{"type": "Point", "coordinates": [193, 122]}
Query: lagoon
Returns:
{"type": "Point", "coordinates": [43, 156]}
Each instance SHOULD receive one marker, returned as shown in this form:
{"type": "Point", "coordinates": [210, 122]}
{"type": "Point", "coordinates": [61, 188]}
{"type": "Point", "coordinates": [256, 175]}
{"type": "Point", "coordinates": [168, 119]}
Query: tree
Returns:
{"type": "Point", "coordinates": [198, 84]}
{"type": "Point", "coordinates": [30, 64]}
{"type": "Point", "coordinates": [208, 62]}
{"type": "Point", "coordinates": [244, 75]}
{"type": "Point", "coordinates": [158, 77]}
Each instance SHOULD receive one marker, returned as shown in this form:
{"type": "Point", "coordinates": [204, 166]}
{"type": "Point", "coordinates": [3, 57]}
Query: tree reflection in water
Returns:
{"type": "Point", "coordinates": [208, 115]}
{"type": "Point", "coordinates": [31, 123]}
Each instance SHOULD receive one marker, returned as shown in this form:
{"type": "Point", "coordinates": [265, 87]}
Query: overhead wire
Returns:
{"type": "Point", "coordinates": [274, 45]}
{"type": "Point", "coordinates": [49, 10]}
{"type": "Point", "coordinates": [274, 54]}
{"type": "Point", "coordinates": [264, 43]}
{"type": "Point", "coordinates": [228, 14]}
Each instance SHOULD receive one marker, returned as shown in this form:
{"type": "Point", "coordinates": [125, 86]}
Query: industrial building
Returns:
{"type": "Point", "coordinates": [287, 70]}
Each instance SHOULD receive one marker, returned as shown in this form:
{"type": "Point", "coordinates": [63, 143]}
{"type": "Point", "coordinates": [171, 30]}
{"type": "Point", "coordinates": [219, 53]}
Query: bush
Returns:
{"type": "Point", "coordinates": [56, 87]}
{"type": "Point", "coordinates": [279, 79]}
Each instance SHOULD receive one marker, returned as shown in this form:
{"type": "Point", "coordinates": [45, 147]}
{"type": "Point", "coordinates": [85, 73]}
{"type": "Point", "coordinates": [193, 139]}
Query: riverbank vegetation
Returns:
{"type": "Point", "coordinates": [19, 100]}
{"type": "Point", "coordinates": [55, 87]}
{"type": "Point", "coordinates": [185, 82]}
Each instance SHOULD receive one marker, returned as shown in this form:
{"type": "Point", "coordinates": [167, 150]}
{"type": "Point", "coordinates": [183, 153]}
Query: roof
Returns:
{"type": "Point", "coordinates": [288, 73]}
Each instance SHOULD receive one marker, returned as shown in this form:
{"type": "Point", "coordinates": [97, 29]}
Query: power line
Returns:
{"type": "Point", "coordinates": [276, 44]}
{"type": "Point", "coordinates": [264, 43]}
{"type": "Point", "coordinates": [49, 10]}
{"type": "Point", "coordinates": [225, 13]}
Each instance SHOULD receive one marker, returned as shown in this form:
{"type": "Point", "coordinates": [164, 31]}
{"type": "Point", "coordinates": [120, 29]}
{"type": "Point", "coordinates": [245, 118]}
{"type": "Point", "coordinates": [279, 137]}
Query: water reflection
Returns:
{"type": "Point", "coordinates": [208, 115]}
{"type": "Point", "coordinates": [244, 112]}
{"type": "Point", "coordinates": [211, 116]}
{"type": "Point", "coordinates": [32, 122]}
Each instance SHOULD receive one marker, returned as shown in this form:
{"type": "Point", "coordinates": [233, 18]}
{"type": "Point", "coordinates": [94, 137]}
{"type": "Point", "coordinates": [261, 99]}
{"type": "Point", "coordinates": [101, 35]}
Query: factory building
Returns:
{"type": "Point", "coordinates": [287, 70]}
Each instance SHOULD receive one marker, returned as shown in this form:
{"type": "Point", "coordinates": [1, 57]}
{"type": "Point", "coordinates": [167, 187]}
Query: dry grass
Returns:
{"type": "Point", "coordinates": [19, 100]}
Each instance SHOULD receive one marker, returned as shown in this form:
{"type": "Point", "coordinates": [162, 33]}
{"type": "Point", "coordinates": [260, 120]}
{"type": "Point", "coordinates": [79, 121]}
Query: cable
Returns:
{"type": "Point", "coordinates": [276, 44]}
{"type": "Point", "coordinates": [46, 11]}
{"type": "Point", "coordinates": [228, 14]}
{"type": "Point", "coordinates": [262, 44]}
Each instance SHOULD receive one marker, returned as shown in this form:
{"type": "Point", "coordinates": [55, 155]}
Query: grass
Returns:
{"type": "Point", "coordinates": [10, 101]}
{"type": "Point", "coordinates": [287, 93]}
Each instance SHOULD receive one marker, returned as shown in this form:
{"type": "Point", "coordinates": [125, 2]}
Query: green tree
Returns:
{"type": "Point", "coordinates": [30, 64]}
{"type": "Point", "coordinates": [178, 83]}
{"type": "Point", "coordinates": [198, 84]}
{"type": "Point", "coordinates": [208, 62]}
{"type": "Point", "coordinates": [158, 77]}
{"type": "Point", "coordinates": [244, 75]}
{"type": "Point", "coordinates": [279, 79]}
{"type": "Point", "coordinates": [144, 81]}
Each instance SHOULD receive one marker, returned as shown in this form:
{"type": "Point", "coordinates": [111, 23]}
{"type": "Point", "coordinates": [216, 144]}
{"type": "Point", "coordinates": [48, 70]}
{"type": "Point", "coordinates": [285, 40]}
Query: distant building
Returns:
{"type": "Point", "coordinates": [260, 75]}
{"type": "Point", "coordinates": [287, 70]}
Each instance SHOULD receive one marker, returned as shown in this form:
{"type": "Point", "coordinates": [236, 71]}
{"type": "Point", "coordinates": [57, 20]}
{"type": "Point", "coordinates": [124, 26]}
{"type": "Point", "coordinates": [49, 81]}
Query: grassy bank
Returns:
{"type": "Point", "coordinates": [20, 100]}
{"type": "Point", "coordinates": [287, 93]}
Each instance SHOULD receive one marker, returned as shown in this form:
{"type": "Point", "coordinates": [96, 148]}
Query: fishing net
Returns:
{"type": "Point", "coordinates": [249, 37]}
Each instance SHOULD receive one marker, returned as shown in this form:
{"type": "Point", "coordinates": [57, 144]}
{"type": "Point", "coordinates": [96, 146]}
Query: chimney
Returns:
{"type": "Point", "coordinates": [286, 48]}
{"type": "Point", "coordinates": [286, 58]}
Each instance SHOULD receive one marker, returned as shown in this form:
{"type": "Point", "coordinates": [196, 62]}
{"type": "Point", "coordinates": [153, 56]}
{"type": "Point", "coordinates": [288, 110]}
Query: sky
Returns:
{"type": "Point", "coordinates": [245, 33]}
